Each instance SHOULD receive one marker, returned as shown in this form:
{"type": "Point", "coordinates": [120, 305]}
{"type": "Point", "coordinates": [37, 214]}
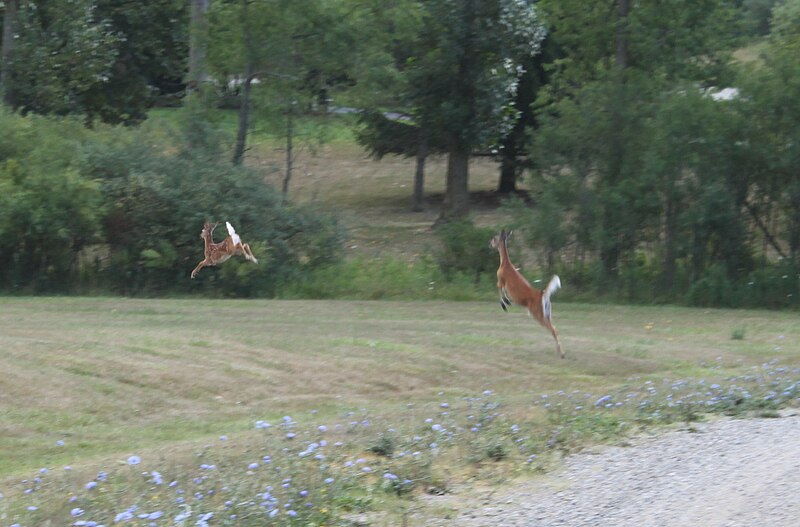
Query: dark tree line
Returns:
{"type": "Point", "coordinates": [639, 174]}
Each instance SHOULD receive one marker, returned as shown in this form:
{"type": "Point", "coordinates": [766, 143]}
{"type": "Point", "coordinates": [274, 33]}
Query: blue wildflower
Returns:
{"type": "Point", "coordinates": [603, 400]}
{"type": "Point", "coordinates": [134, 460]}
{"type": "Point", "coordinates": [77, 511]}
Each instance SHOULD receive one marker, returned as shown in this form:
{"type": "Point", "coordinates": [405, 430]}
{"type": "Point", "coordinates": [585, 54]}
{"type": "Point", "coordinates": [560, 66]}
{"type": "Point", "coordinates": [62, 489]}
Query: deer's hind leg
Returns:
{"type": "Point", "coordinates": [248, 254]}
{"type": "Point", "coordinates": [548, 324]}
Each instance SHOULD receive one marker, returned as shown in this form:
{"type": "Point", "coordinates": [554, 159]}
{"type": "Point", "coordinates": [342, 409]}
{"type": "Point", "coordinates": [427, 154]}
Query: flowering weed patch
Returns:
{"type": "Point", "coordinates": [320, 473]}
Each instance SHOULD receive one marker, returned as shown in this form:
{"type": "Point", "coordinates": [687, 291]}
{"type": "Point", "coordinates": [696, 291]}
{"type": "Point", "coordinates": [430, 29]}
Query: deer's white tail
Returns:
{"type": "Point", "coordinates": [552, 287]}
{"type": "Point", "coordinates": [234, 236]}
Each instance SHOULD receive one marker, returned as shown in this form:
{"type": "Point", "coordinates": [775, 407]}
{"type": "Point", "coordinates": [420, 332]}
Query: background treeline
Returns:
{"type": "Point", "coordinates": [659, 141]}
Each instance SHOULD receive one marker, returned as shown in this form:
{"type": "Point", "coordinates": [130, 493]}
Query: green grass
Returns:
{"type": "Point", "coordinates": [163, 379]}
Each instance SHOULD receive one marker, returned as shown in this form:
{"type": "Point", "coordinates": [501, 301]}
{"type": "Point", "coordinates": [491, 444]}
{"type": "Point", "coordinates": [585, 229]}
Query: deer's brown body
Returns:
{"type": "Point", "coordinates": [513, 287]}
{"type": "Point", "coordinates": [216, 253]}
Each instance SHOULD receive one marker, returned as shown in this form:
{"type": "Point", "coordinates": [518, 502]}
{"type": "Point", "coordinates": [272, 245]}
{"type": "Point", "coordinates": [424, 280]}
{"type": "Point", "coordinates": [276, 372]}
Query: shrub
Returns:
{"type": "Point", "coordinates": [465, 249]}
{"type": "Point", "coordinates": [48, 210]}
{"type": "Point", "coordinates": [157, 205]}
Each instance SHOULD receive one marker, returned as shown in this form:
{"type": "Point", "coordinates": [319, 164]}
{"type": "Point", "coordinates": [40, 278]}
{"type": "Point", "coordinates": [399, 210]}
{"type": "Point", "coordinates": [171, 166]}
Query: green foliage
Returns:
{"type": "Point", "coordinates": [104, 60]}
{"type": "Point", "coordinates": [48, 210]}
{"type": "Point", "coordinates": [385, 445]}
{"type": "Point", "coordinates": [465, 249]}
{"type": "Point", "coordinates": [384, 278]}
{"type": "Point", "coordinates": [160, 202]}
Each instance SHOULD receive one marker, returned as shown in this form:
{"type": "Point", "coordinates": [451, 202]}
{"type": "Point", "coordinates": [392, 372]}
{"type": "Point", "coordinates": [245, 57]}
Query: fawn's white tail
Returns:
{"type": "Point", "coordinates": [234, 236]}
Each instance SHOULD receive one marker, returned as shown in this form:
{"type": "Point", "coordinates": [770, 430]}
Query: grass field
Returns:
{"type": "Point", "coordinates": [279, 412]}
{"type": "Point", "coordinates": [88, 382]}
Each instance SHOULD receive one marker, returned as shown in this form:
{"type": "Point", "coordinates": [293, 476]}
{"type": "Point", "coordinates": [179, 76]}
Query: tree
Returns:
{"type": "Point", "coordinates": [198, 36]}
{"type": "Point", "coordinates": [10, 21]}
{"type": "Point", "coordinates": [463, 84]}
{"type": "Point", "coordinates": [514, 146]}
{"type": "Point", "coordinates": [605, 94]}
{"type": "Point", "coordinates": [294, 52]}
{"type": "Point", "coordinates": [103, 59]}
{"type": "Point", "coordinates": [384, 85]}
{"type": "Point", "coordinates": [770, 104]}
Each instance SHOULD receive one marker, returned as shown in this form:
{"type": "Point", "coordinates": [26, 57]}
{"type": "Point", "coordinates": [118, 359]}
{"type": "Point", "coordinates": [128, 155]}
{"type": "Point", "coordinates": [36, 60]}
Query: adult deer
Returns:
{"type": "Point", "coordinates": [216, 253]}
{"type": "Point", "coordinates": [514, 288]}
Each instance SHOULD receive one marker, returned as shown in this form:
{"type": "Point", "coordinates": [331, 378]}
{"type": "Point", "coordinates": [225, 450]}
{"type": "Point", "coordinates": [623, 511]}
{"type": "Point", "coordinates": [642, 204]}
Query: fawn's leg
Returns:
{"type": "Point", "coordinates": [199, 266]}
{"type": "Point", "coordinates": [248, 253]}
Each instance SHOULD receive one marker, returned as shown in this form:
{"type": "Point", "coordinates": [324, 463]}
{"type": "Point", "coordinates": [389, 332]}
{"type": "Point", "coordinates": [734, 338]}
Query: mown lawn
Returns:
{"type": "Point", "coordinates": [89, 382]}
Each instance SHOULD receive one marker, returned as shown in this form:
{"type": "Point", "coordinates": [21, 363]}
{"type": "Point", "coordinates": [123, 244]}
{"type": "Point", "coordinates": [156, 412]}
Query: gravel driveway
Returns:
{"type": "Point", "coordinates": [731, 473]}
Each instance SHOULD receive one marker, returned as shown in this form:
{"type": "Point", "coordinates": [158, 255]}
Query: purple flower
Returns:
{"type": "Point", "coordinates": [77, 511]}
{"type": "Point", "coordinates": [603, 400]}
{"type": "Point", "coordinates": [134, 460]}
{"type": "Point", "coordinates": [91, 485]}
{"type": "Point", "coordinates": [123, 517]}
{"type": "Point", "coordinates": [252, 466]}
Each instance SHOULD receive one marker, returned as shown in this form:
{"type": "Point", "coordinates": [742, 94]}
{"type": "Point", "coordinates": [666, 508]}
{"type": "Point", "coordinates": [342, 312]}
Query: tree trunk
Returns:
{"type": "Point", "coordinates": [197, 45]}
{"type": "Point", "coordinates": [508, 169]}
{"type": "Point", "coordinates": [289, 152]}
{"type": "Point", "coordinates": [456, 196]}
{"type": "Point", "coordinates": [670, 251]}
{"type": "Point", "coordinates": [612, 249]}
{"type": "Point", "coordinates": [417, 203]}
{"type": "Point", "coordinates": [244, 118]}
{"type": "Point", "coordinates": [623, 8]}
{"type": "Point", "coordinates": [9, 28]}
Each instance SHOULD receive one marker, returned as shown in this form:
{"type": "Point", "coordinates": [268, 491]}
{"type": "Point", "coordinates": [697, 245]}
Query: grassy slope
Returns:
{"type": "Point", "coordinates": [110, 376]}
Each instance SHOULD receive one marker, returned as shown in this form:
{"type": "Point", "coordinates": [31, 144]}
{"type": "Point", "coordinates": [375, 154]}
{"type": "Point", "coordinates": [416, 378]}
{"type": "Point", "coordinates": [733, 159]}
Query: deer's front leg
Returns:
{"type": "Point", "coordinates": [504, 301]}
{"type": "Point", "coordinates": [199, 266]}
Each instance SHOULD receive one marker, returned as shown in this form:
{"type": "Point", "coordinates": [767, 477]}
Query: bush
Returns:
{"type": "Point", "coordinates": [48, 210]}
{"type": "Point", "coordinates": [159, 201]}
{"type": "Point", "coordinates": [465, 250]}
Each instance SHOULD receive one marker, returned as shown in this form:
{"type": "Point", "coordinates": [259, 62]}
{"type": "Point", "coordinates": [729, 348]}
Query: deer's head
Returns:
{"type": "Point", "coordinates": [499, 238]}
{"type": "Point", "coordinates": [208, 228]}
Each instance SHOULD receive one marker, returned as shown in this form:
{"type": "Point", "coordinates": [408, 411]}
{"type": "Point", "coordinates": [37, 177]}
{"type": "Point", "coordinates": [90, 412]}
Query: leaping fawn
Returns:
{"type": "Point", "coordinates": [216, 253]}
{"type": "Point", "coordinates": [513, 287]}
